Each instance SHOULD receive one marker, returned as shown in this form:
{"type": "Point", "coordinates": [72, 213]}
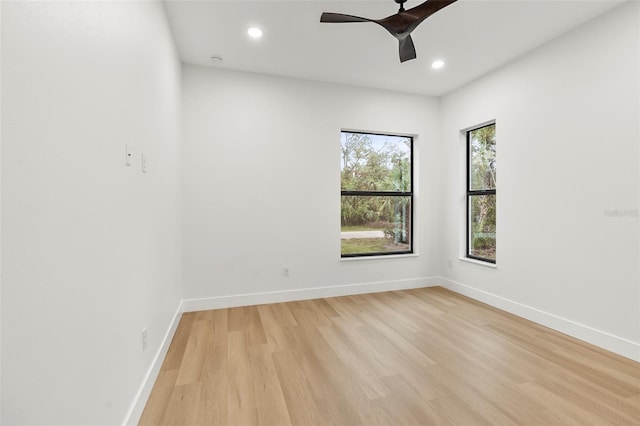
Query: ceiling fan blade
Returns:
{"type": "Point", "coordinates": [340, 17]}
{"type": "Point", "coordinates": [426, 9]}
{"type": "Point", "coordinates": [404, 22]}
{"type": "Point", "coordinates": [407, 49]}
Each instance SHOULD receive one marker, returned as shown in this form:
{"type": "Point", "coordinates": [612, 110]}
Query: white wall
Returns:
{"type": "Point", "coordinates": [90, 248]}
{"type": "Point", "coordinates": [262, 184]}
{"type": "Point", "coordinates": [567, 142]}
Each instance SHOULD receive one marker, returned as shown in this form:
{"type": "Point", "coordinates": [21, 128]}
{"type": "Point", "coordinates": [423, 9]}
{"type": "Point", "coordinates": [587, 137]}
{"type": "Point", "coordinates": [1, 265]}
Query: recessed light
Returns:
{"type": "Point", "coordinates": [216, 59]}
{"type": "Point", "coordinates": [254, 32]}
{"type": "Point", "coordinates": [436, 65]}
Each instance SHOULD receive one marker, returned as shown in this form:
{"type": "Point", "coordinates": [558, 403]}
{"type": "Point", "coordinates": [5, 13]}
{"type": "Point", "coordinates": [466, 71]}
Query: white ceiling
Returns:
{"type": "Point", "coordinates": [472, 36]}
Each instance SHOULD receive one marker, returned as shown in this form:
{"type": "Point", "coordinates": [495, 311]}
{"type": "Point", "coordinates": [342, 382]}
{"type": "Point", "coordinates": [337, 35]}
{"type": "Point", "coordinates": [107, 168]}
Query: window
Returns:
{"type": "Point", "coordinates": [376, 194]}
{"type": "Point", "coordinates": [481, 193]}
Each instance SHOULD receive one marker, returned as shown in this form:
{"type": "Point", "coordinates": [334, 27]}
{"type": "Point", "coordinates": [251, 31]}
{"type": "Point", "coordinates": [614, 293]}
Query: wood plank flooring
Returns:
{"type": "Point", "coordinates": [426, 356]}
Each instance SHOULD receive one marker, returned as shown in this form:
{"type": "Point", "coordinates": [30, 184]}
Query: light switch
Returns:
{"type": "Point", "coordinates": [143, 162]}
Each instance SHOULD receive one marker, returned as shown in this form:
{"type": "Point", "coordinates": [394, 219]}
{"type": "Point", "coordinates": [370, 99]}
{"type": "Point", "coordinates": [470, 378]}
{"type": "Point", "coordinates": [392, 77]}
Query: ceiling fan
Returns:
{"type": "Point", "coordinates": [399, 25]}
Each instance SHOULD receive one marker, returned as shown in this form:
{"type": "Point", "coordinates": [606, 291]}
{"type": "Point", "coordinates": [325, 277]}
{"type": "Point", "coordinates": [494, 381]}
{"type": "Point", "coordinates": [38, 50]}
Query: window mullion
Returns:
{"type": "Point", "coordinates": [481, 192]}
{"type": "Point", "coordinates": [376, 194]}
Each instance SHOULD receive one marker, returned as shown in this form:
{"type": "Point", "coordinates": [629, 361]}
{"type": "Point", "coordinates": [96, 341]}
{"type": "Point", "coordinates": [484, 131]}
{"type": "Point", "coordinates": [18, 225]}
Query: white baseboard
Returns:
{"type": "Point", "coordinates": [610, 342]}
{"type": "Point", "coordinates": [140, 400]}
{"type": "Point", "coordinates": [248, 299]}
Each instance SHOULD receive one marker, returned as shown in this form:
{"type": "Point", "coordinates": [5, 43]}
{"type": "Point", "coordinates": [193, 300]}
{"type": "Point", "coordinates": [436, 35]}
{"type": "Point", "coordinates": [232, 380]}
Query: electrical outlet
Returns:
{"type": "Point", "coordinates": [285, 271]}
{"type": "Point", "coordinates": [144, 339]}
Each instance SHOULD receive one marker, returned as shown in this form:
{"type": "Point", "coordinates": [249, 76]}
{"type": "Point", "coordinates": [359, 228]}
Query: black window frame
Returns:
{"type": "Point", "coordinates": [384, 194]}
{"type": "Point", "coordinates": [473, 193]}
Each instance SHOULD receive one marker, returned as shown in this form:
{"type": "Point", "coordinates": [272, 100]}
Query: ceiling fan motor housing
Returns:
{"type": "Point", "coordinates": [401, 3]}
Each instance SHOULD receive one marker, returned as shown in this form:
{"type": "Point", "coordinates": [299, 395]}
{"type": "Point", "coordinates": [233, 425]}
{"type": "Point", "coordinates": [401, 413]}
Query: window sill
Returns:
{"type": "Point", "coordinates": [478, 262]}
{"type": "Point", "coordinates": [385, 257]}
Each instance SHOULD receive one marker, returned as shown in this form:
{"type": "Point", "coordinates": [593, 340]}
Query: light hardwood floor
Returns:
{"type": "Point", "coordinates": [425, 356]}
